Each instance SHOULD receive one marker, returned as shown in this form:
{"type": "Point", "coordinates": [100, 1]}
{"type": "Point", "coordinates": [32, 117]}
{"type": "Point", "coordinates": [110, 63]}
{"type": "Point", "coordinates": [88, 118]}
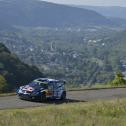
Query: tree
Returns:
{"type": "Point", "coordinates": [118, 80]}
{"type": "Point", "coordinates": [3, 84]}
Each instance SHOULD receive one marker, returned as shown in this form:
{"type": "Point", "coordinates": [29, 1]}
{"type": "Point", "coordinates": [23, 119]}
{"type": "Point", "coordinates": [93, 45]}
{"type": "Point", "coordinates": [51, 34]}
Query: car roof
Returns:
{"type": "Point", "coordinates": [46, 80]}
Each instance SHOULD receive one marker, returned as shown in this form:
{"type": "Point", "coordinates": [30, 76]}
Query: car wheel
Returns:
{"type": "Point", "coordinates": [63, 96]}
{"type": "Point", "coordinates": [43, 97]}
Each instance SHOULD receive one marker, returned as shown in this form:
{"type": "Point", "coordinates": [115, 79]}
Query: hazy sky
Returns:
{"type": "Point", "coordinates": [92, 2]}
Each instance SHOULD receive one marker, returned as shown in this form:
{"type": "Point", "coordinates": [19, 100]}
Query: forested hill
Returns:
{"type": "Point", "coordinates": [40, 13]}
{"type": "Point", "coordinates": [14, 71]}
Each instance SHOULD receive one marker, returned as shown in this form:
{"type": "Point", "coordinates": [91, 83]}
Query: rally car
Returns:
{"type": "Point", "coordinates": [43, 89]}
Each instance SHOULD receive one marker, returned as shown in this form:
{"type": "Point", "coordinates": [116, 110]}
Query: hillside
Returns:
{"type": "Point", "coordinates": [39, 13]}
{"type": "Point", "coordinates": [14, 71]}
{"type": "Point", "coordinates": [85, 56]}
{"type": "Point", "coordinates": [80, 57]}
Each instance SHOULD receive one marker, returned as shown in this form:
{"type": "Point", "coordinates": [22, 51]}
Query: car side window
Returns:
{"type": "Point", "coordinates": [60, 85]}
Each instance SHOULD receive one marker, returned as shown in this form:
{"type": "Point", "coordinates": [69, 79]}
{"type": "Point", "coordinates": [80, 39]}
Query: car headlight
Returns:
{"type": "Point", "coordinates": [21, 87]}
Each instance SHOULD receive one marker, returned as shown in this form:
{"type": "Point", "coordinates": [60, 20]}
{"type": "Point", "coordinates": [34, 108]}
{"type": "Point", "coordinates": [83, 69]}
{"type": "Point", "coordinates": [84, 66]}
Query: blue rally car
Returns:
{"type": "Point", "coordinates": [43, 89]}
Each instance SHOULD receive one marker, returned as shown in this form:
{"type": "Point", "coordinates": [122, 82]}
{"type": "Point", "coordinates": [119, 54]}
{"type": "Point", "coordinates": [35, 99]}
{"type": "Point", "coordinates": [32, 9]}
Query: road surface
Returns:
{"type": "Point", "coordinates": [10, 102]}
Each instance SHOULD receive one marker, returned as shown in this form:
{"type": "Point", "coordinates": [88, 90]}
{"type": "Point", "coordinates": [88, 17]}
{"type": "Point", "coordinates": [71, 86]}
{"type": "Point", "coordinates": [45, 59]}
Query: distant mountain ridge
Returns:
{"type": "Point", "coordinates": [40, 13]}
{"type": "Point", "coordinates": [107, 11]}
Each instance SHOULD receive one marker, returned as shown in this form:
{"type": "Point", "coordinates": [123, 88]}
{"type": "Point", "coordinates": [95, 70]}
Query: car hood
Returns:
{"type": "Point", "coordinates": [30, 88]}
{"type": "Point", "coordinates": [27, 88]}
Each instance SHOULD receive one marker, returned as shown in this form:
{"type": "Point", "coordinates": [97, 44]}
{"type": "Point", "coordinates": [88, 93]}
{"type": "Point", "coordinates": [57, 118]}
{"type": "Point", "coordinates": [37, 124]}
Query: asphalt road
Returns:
{"type": "Point", "coordinates": [10, 102]}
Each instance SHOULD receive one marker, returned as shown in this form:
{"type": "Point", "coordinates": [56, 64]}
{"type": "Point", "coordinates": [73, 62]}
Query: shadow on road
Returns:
{"type": "Point", "coordinates": [63, 101]}
{"type": "Point", "coordinates": [49, 101]}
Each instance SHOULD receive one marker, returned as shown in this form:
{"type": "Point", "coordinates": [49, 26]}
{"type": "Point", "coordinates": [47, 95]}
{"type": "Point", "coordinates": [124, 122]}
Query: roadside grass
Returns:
{"type": "Point", "coordinates": [99, 113]}
{"type": "Point", "coordinates": [7, 94]}
{"type": "Point", "coordinates": [96, 87]}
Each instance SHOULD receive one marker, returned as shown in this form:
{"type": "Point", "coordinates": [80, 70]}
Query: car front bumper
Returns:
{"type": "Point", "coordinates": [28, 96]}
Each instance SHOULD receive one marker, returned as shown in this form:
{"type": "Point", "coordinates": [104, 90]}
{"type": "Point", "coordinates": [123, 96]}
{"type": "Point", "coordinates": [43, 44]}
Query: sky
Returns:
{"type": "Point", "coordinates": [92, 2]}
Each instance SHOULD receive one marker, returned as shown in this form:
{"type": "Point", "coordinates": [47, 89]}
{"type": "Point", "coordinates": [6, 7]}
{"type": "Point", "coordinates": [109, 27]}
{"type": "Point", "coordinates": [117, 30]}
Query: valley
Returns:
{"type": "Point", "coordinates": [84, 52]}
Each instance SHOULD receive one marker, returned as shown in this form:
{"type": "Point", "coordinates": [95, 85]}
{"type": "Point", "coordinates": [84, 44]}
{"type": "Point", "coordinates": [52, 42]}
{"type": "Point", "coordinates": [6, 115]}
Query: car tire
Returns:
{"type": "Point", "coordinates": [63, 96]}
{"type": "Point", "coordinates": [43, 97]}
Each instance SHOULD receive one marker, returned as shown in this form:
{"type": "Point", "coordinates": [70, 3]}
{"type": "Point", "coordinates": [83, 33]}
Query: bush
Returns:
{"type": "Point", "coordinates": [118, 80]}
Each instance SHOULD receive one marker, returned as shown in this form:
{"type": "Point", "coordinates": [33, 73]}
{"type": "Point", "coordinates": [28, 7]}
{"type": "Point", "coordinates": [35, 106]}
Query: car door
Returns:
{"type": "Point", "coordinates": [59, 88]}
{"type": "Point", "coordinates": [50, 90]}
{"type": "Point", "coordinates": [55, 89]}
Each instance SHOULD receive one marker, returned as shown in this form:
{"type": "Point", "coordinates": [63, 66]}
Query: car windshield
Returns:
{"type": "Point", "coordinates": [38, 84]}
{"type": "Point", "coordinates": [34, 84]}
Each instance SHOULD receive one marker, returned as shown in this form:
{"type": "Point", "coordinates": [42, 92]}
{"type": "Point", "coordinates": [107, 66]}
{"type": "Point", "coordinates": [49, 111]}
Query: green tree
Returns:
{"type": "Point", "coordinates": [118, 80]}
{"type": "Point", "coordinates": [3, 84]}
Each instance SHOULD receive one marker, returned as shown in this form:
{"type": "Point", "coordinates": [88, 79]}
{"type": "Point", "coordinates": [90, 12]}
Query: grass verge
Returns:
{"type": "Point", "coordinates": [96, 87]}
{"type": "Point", "coordinates": [100, 113]}
{"type": "Point", "coordinates": [7, 94]}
